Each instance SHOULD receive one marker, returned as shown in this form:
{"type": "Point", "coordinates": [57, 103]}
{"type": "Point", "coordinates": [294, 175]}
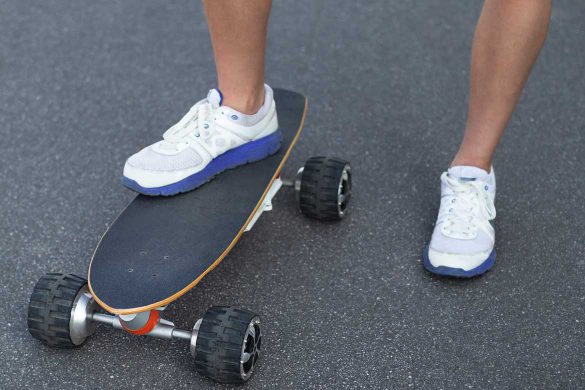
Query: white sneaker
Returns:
{"type": "Point", "coordinates": [208, 140]}
{"type": "Point", "coordinates": [463, 240]}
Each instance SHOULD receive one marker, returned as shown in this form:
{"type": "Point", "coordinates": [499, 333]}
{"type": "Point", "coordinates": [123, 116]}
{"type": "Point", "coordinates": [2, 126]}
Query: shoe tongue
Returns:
{"type": "Point", "coordinates": [214, 97]}
{"type": "Point", "coordinates": [468, 173]}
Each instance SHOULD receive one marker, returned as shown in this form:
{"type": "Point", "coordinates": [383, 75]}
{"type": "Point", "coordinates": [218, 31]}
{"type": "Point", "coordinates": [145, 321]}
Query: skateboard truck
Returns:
{"type": "Point", "coordinates": [277, 184]}
{"type": "Point", "coordinates": [84, 319]}
{"type": "Point", "coordinates": [266, 204]}
{"type": "Point", "coordinates": [148, 323]}
{"type": "Point", "coordinates": [295, 183]}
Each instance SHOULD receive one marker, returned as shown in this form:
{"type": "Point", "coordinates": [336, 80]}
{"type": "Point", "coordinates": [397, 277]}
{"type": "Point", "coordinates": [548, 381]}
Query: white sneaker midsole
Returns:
{"type": "Point", "coordinates": [152, 179]}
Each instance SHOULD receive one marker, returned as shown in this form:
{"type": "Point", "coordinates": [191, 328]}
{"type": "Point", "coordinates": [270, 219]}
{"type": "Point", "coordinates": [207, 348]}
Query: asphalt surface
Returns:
{"type": "Point", "coordinates": [84, 84]}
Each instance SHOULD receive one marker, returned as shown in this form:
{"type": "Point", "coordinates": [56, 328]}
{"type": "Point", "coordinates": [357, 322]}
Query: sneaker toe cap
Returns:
{"type": "Point", "coordinates": [150, 168]}
{"type": "Point", "coordinates": [449, 252]}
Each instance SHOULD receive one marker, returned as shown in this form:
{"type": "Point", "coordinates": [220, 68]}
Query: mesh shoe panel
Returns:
{"type": "Point", "coordinates": [150, 160]}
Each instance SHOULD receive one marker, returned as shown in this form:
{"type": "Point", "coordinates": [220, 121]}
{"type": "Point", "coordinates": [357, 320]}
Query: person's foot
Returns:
{"type": "Point", "coordinates": [463, 240]}
{"type": "Point", "coordinates": [208, 140]}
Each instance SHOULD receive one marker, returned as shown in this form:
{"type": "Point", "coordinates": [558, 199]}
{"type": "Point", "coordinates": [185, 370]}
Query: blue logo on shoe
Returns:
{"type": "Point", "coordinates": [234, 117]}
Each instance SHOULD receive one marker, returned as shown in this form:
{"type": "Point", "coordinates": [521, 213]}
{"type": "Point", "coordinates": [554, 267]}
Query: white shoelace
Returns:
{"type": "Point", "coordinates": [468, 200]}
{"type": "Point", "coordinates": [198, 119]}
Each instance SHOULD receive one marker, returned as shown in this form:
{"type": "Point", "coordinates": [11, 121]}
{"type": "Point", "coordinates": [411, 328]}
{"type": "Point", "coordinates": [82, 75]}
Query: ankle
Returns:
{"type": "Point", "coordinates": [485, 164]}
{"type": "Point", "coordinates": [246, 102]}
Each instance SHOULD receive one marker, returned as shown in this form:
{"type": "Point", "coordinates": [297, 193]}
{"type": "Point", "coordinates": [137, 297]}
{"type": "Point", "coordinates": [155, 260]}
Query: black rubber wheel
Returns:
{"type": "Point", "coordinates": [49, 308]}
{"type": "Point", "coordinates": [228, 344]}
{"type": "Point", "coordinates": [325, 188]}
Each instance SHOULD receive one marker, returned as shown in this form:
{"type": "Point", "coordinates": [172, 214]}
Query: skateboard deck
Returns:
{"type": "Point", "coordinates": [160, 247]}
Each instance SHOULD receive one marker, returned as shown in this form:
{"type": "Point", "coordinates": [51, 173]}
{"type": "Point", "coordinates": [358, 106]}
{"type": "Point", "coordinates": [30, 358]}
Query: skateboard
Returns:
{"type": "Point", "coordinates": [159, 248]}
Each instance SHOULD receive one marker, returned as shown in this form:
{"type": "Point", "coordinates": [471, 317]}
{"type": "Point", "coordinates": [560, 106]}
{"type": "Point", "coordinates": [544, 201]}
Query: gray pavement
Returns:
{"type": "Point", "coordinates": [83, 84]}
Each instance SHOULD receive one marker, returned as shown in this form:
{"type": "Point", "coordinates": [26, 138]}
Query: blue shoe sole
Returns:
{"type": "Point", "coordinates": [458, 272]}
{"type": "Point", "coordinates": [247, 153]}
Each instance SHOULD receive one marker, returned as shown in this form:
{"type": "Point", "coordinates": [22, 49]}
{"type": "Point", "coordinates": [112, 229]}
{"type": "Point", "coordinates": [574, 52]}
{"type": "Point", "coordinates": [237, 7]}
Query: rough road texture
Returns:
{"type": "Point", "coordinates": [83, 84]}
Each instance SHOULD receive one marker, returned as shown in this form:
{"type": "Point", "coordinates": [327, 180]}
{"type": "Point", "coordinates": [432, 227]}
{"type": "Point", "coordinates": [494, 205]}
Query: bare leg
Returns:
{"type": "Point", "coordinates": [238, 31]}
{"type": "Point", "coordinates": [508, 38]}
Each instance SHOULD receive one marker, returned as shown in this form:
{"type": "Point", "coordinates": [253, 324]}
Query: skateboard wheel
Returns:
{"type": "Point", "coordinates": [58, 310]}
{"type": "Point", "coordinates": [324, 188]}
{"type": "Point", "coordinates": [228, 344]}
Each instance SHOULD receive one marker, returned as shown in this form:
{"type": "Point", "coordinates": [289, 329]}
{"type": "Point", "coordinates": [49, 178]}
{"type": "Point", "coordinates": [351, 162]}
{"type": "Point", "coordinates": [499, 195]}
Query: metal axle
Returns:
{"type": "Point", "coordinates": [164, 329]}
